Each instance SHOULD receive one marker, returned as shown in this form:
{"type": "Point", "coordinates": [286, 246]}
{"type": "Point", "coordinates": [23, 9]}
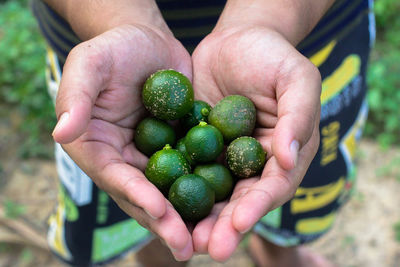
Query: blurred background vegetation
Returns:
{"type": "Point", "coordinates": [22, 78]}
{"type": "Point", "coordinates": [22, 82]}
{"type": "Point", "coordinates": [384, 76]}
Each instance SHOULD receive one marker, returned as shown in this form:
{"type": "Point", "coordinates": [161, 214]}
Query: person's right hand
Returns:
{"type": "Point", "coordinates": [98, 106]}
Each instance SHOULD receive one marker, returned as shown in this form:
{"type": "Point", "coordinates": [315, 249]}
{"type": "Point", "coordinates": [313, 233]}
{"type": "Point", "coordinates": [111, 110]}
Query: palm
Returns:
{"type": "Point", "coordinates": [261, 65]}
{"type": "Point", "coordinates": [101, 90]}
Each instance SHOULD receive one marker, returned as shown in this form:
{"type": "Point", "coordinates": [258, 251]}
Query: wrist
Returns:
{"type": "Point", "coordinates": [91, 18]}
{"type": "Point", "coordinates": [292, 19]}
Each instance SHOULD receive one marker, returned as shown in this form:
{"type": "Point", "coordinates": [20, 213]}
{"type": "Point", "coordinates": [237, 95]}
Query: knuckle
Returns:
{"type": "Point", "coordinates": [93, 56]}
{"type": "Point", "coordinates": [292, 193]}
{"type": "Point", "coordinates": [129, 187]}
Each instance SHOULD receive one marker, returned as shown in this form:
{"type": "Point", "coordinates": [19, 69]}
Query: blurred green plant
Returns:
{"type": "Point", "coordinates": [348, 241]}
{"type": "Point", "coordinates": [383, 76]}
{"type": "Point", "coordinates": [22, 80]}
{"type": "Point", "coordinates": [391, 168]}
{"type": "Point", "coordinates": [26, 257]}
{"type": "Point", "coordinates": [396, 228]}
{"type": "Point", "coordinates": [13, 209]}
{"type": "Point", "coordinates": [4, 248]}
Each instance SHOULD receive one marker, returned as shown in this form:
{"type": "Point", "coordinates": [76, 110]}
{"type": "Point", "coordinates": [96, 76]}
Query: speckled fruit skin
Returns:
{"type": "Point", "coordinates": [153, 134]}
{"type": "Point", "coordinates": [164, 167]}
{"type": "Point", "coordinates": [168, 94]}
{"type": "Point", "coordinates": [234, 116]}
{"type": "Point", "coordinates": [245, 157]}
{"type": "Point", "coordinates": [204, 143]}
{"type": "Point", "coordinates": [192, 197]}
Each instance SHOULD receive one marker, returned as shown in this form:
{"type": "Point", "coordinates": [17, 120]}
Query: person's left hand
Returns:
{"type": "Point", "coordinates": [285, 87]}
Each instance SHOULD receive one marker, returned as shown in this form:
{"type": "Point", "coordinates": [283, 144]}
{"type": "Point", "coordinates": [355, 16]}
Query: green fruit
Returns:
{"type": "Point", "coordinates": [153, 134]}
{"type": "Point", "coordinates": [168, 95]}
{"type": "Point", "coordinates": [219, 178]}
{"type": "Point", "coordinates": [234, 116]}
{"type": "Point", "coordinates": [180, 146]}
{"type": "Point", "coordinates": [245, 157]}
{"type": "Point", "coordinates": [204, 143]}
{"type": "Point", "coordinates": [165, 166]}
{"type": "Point", "coordinates": [192, 197]}
{"type": "Point", "coordinates": [198, 113]}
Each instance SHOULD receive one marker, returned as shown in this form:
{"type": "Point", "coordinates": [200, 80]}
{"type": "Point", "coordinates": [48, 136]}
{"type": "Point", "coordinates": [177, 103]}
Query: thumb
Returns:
{"type": "Point", "coordinates": [84, 77]}
{"type": "Point", "coordinates": [298, 94]}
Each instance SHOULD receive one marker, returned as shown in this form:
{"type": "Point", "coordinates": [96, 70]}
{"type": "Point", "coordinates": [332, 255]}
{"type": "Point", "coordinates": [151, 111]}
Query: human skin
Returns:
{"type": "Point", "coordinates": [98, 105]}
{"type": "Point", "coordinates": [252, 52]}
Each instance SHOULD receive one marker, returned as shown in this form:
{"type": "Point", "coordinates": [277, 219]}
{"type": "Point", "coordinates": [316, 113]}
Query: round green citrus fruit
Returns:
{"type": "Point", "coordinates": [153, 134]}
{"type": "Point", "coordinates": [192, 197]}
{"type": "Point", "coordinates": [245, 157]}
{"type": "Point", "coordinates": [204, 143]}
{"type": "Point", "coordinates": [180, 146]}
{"type": "Point", "coordinates": [219, 178]}
{"type": "Point", "coordinates": [165, 166]}
{"type": "Point", "coordinates": [168, 94]}
{"type": "Point", "coordinates": [198, 113]}
{"type": "Point", "coordinates": [234, 116]}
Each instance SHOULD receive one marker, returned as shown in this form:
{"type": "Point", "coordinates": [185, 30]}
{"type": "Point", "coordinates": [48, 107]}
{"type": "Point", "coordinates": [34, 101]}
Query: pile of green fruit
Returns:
{"type": "Point", "coordinates": [188, 171]}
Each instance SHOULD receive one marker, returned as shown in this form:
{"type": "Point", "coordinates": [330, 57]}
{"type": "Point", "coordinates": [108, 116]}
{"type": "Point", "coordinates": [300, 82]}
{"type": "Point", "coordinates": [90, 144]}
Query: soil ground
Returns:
{"type": "Point", "coordinates": [363, 234]}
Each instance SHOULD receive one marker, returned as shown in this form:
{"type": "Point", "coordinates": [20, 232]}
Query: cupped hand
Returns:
{"type": "Point", "coordinates": [98, 106]}
{"type": "Point", "coordinates": [285, 87]}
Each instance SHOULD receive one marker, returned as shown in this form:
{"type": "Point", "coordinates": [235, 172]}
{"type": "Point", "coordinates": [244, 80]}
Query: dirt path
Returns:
{"type": "Point", "coordinates": [363, 234]}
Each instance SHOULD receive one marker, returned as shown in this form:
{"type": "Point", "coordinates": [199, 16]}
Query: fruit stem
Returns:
{"type": "Point", "coordinates": [202, 123]}
{"type": "Point", "coordinates": [167, 146]}
{"type": "Point", "coordinates": [205, 112]}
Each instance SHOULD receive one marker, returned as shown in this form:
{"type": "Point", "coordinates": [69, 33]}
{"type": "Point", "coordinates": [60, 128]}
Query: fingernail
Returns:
{"type": "Point", "coordinates": [294, 150]}
{"type": "Point", "coordinates": [151, 216]}
{"type": "Point", "coordinates": [183, 254]}
{"type": "Point", "coordinates": [61, 122]}
{"type": "Point", "coordinates": [245, 231]}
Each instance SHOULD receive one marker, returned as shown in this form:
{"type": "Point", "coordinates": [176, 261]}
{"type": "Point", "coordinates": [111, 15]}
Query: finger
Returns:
{"type": "Point", "coordinates": [202, 231]}
{"type": "Point", "coordinates": [127, 182]}
{"type": "Point", "coordinates": [85, 75]}
{"type": "Point", "coordinates": [298, 95]}
{"type": "Point", "coordinates": [109, 171]}
{"type": "Point", "coordinates": [169, 228]}
{"type": "Point", "coordinates": [135, 158]}
{"type": "Point", "coordinates": [275, 187]}
{"type": "Point", "coordinates": [224, 238]}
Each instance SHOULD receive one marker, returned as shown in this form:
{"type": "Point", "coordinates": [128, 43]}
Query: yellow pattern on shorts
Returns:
{"type": "Point", "coordinates": [322, 55]}
{"type": "Point", "coordinates": [340, 78]}
{"type": "Point", "coordinates": [308, 199]}
{"type": "Point", "coordinates": [315, 225]}
{"type": "Point", "coordinates": [56, 235]}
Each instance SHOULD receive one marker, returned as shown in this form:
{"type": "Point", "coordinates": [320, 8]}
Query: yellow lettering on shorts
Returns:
{"type": "Point", "coordinates": [314, 225]}
{"type": "Point", "coordinates": [340, 78]}
{"type": "Point", "coordinates": [329, 142]}
{"type": "Point", "coordinates": [320, 57]}
{"type": "Point", "coordinates": [308, 199]}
